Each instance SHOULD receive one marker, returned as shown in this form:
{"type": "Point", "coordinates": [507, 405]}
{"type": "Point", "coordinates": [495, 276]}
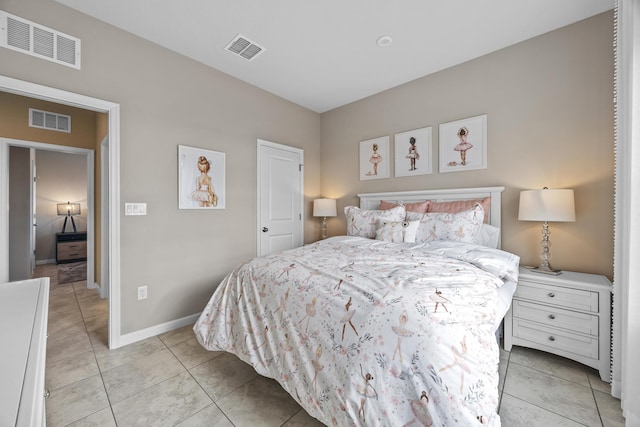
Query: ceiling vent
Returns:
{"type": "Point", "coordinates": [244, 47]}
{"type": "Point", "coordinates": [36, 40]}
{"type": "Point", "coordinates": [52, 121]}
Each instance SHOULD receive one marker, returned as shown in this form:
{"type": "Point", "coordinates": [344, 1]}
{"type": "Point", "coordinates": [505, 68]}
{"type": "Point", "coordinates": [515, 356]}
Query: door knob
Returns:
{"type": "Point", "coordinates": [265, 229]}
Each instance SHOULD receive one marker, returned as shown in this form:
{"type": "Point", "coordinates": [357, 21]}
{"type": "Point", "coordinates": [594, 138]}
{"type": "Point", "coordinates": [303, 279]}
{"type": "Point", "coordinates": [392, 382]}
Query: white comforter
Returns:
{"type": "Point", "coordinates": [363, 332]}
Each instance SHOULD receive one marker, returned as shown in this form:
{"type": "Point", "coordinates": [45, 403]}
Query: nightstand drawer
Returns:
{"type": "Point", "coordinates": [556, 338]}
{"type": "Point", "coordinates": [572, 320]}
{"type": "Point", "coordinates": [577, 299]}
{"type": "Point", "coordinates": [72, 250]}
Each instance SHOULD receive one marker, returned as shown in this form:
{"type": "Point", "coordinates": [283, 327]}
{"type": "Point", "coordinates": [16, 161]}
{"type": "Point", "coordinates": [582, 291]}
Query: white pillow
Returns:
{"type": "Point", "coordinates": [456, 227]}
{"type": "Point", "coordinates": [398, 231]}
{"type": "Point", "coordinates": [489, 236]}
{"type": "Point", "coordinates": [364, 223]}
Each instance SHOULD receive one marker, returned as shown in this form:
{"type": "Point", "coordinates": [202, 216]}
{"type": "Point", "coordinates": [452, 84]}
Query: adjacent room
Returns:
{"type": "Point", "coordinates": [244, 214]}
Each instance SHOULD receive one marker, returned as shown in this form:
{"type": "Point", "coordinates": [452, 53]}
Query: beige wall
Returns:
{"type": "Point", "coordinates": [550, 123]}
{"type": "Point", "coordinates": [166, 100]}
{"type": "Point", "coordinates": [14, 121]}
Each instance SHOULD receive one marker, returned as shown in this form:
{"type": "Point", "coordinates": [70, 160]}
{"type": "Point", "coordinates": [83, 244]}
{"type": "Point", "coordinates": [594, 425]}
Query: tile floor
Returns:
{"type": "Point", "coordinates": [171, 380]}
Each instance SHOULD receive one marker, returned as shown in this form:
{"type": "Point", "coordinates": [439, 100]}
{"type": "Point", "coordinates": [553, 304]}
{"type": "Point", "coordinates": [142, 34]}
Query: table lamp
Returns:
{"type": "Point", "coordinates": [546, 205]}
{"type": "Point", "coordinates": [324, 208]}
{"type": "Point", "coordinates": [69, 210]}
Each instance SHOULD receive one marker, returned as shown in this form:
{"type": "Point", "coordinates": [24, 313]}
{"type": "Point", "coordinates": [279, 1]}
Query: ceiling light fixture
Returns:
{"type": "Point", "coordinates": [384, 41]}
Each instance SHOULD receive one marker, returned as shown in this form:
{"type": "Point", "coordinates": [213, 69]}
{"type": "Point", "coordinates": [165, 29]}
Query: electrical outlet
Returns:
{"type": "Point", "coordinates": [142, 293]}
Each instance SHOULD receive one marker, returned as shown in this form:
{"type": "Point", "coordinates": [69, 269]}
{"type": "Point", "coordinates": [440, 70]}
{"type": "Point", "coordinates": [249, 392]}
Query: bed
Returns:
{"type": "Point", "coordinates": [364, 330]}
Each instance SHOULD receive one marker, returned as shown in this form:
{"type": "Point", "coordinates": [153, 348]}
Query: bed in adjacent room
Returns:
{"type": "Point", "coordinates": [393, 324]}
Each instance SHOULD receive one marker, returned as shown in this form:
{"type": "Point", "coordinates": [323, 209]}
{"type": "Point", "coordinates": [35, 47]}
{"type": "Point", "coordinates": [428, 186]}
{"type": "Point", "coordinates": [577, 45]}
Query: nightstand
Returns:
{"type": "Point", "coordinates": [568, 315]}
{"type": "Point", "coordinates": [71, 247]}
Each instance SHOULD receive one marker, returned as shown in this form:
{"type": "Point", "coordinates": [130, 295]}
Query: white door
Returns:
{"type": "Point", "coordinates": [280, 197]}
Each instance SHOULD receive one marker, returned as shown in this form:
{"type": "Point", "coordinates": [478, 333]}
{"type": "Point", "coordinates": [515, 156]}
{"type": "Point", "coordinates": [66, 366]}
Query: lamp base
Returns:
{"type": "Point", "coordinates": [543, 270]}
{"type": "Point", "coordinates": [73, 223]}
{"type": "Point", "coordinates": [324, 227]}
{"type": "Point", "coordinates": [545, 266]}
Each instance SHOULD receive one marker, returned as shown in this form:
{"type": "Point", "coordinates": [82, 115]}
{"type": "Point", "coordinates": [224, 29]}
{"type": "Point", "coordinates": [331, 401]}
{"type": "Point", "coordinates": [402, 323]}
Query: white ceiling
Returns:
{"type": "Point", "coordinates": [323, 54]}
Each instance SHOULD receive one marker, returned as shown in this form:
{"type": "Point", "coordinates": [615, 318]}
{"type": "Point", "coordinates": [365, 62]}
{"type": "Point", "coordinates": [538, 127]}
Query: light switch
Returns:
{"type": "Point", "coordinates": [135, 208]}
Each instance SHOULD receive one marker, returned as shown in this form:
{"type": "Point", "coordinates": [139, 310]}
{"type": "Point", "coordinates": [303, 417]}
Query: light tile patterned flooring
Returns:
{"type": "Point", "coordinates": [171, 380]}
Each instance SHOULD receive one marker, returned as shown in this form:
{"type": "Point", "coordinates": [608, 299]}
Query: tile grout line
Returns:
{"type": "Point", "coordinates": [213, 402]}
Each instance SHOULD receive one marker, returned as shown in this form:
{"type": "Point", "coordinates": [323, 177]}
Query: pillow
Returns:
{"type": "Point", "coordinates": [364, 223]}
{"type": "Point", "coordinates": [461, 205]}
{"type": "Point", "coordinates": [409, 207]}
{"type": "Point", "coordinates": [456, 227]}
{"type": "Point", "coordinates": [398, 231]}
{"type": "Point", "coordinates": [489, 236]}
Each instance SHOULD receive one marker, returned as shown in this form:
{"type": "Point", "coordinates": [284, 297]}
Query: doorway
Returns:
{"type": "Point", "coordinates": [110, 243]}
{"type": "Point", "coordinates": [67, 175]}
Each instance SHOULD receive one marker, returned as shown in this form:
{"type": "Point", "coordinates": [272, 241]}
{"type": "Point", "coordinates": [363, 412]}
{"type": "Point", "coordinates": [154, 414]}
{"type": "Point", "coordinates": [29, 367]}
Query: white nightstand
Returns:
{"type": "Point", "coordinates": [568, 315]}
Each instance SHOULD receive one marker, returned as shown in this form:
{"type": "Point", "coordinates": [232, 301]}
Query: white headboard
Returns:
{"type": "Point", "coordinates": [371, 201]}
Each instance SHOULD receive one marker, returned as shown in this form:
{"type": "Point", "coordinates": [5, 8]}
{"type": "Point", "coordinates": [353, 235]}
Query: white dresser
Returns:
{"type": "Point", "coordinates": [568, 315]}
{"type": "Point", "coordinates": [24, 309]}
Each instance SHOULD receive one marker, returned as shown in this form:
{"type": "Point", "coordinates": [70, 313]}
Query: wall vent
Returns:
{"type": "Point", "coordinates": [240, 45]}
{"type": "Point", "coordinates": [47, 120]}
{"type": "Point", "coordinates": [36, 40]}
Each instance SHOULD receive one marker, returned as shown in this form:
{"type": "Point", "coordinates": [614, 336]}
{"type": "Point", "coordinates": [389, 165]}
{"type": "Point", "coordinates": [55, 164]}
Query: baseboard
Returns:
{"type": "Point", "coordinates": [153, 331]}
{"type": "Point", "coordinates": [45, 261]}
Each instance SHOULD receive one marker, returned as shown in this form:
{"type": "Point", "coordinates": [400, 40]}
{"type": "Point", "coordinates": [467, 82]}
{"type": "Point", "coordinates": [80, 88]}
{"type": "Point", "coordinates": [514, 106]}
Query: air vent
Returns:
{"type": "Point", "coordinates": [244, 47]}
{"type": "Point", "coordinates": [47, 120]}
{"type": "Point", "coordinates": [36, 40]}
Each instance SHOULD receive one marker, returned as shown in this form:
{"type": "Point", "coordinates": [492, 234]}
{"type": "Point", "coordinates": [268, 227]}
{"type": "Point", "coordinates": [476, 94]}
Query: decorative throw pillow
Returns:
{"type": "Point", "coordinates": [457, 227]}
{"type": "Point", "coordinates": [398, 231]}
{"type": "Point", "coordinates": [456, 206]}
{"type": "Point", "coordinates": [409, 207]}
{"type": "Point", "coordinates": [364, 223]}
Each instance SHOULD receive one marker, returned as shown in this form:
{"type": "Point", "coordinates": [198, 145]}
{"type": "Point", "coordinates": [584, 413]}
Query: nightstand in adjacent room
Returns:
{"type": "Point", "coordinates": [71, 247]}
{"type": "Point", "coordinates": [568, 315]}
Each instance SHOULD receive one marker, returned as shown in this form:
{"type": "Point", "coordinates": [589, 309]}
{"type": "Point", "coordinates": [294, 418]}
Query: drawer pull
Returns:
{"type": "Point", "coordinates": [552, 338]}
{"type": "Point", "coordinates": [552, 316]}
{"type": "Point", "coordinates": [551, 295]}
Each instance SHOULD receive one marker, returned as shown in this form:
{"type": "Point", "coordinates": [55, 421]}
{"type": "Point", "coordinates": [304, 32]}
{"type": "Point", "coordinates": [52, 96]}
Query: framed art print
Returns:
{"type": "Point", "coordinates": [374, 158]}
{"type": "Point", "coordinates": [201, 176]}
{"type": "Point", "coordinates": [463, 144]}
{"type": "Point", "coordinates": [412, 150]}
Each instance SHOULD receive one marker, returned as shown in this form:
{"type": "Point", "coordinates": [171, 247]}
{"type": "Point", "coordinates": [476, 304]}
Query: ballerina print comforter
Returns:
{"type": "Point", "coordinates": [363, 332]}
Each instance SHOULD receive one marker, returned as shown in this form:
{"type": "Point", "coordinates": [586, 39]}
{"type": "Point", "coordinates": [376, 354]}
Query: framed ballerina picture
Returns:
{"type": "Point", "coordinates": [201, 176]}
{"type": "Point", "coordinates": [463, 144]}
{"type": "Point", "coordinates": [374, 158]}
{"type": "Point", "coordinates": [412, 151]}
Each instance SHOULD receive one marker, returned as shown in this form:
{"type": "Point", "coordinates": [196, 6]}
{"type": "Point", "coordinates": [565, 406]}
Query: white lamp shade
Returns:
{"type": "Point", "coordinates": [554, 205]}
{"type": "Point", "coordinates": [68, 208]}
{"type": "Point", "coordinates": [324, 207]}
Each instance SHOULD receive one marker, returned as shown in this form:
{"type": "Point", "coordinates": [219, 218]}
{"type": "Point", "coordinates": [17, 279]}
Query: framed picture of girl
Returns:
{"type": "Point", "coordinates": [201, 178]}
{"type": "Point", "coordinates": [463, 144]}
{"type": "Point", "coordinates": [412, 151]}
{"type": "Point", "coordinates": [374, 158]}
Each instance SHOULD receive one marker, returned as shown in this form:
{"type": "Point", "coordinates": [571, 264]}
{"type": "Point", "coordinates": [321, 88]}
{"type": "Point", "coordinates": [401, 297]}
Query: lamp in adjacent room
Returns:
{"type": "Point", "coordinates": [69, 210]}
{"type": "Point", "coordinates": [547, 205]}
{"type": "Point", "coordinates": [324, 208]}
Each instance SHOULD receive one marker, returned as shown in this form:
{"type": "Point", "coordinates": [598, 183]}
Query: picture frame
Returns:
{"type": "Point", "coordinates": [463, 144]}
{"type": "Point", "coordinates": [374, 158]}
{"type": "Point", "coordinates": [413, 152]}
{"type": "Point", "coordinates": [196, 179]}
